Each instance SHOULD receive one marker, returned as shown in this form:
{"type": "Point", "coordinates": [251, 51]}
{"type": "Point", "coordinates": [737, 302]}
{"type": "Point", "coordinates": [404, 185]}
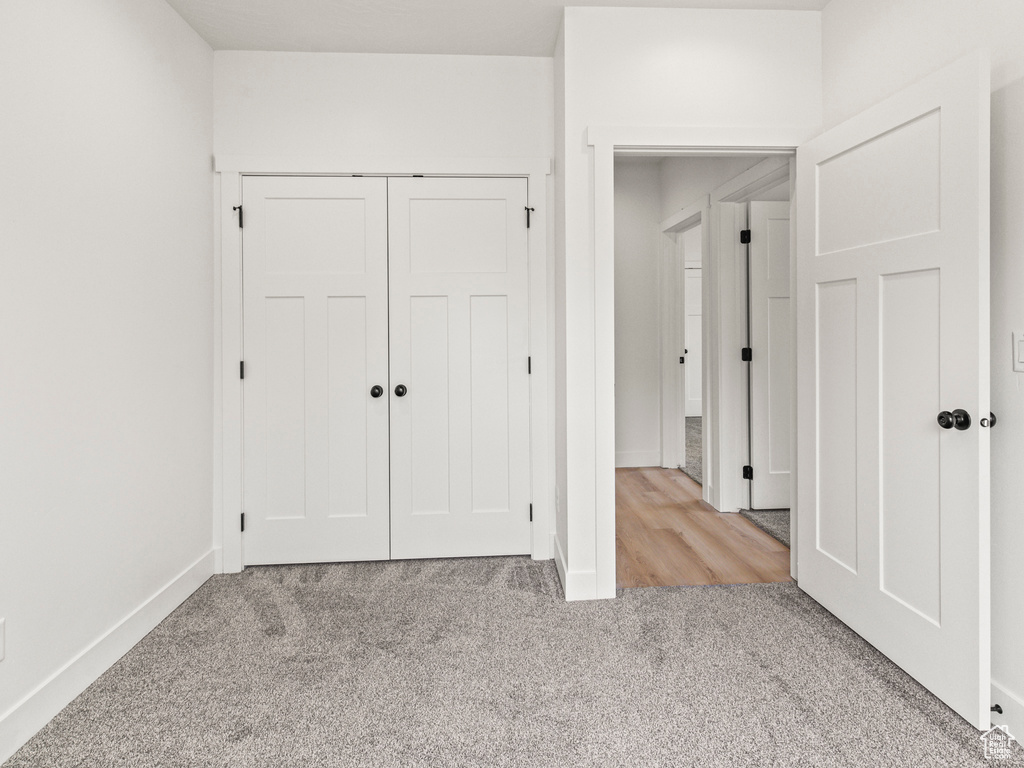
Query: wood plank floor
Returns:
{"type": "Point", "coordinates": [665, 535]}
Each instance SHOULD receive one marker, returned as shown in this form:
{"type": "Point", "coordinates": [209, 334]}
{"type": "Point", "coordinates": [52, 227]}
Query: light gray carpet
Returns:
{"type": "Point", "coordinates": [482, 663]}
{"type": "Point", "coordinates": [774, 522]}
{"type": "Point", "coordinates": [694, 452]}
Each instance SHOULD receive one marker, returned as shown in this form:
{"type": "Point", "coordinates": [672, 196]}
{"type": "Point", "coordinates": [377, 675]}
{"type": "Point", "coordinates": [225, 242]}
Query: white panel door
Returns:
{"type": "Point", "coordinates": [771, 363]}
{"type": "Point", "coordinates": [315, 338]}
{"type": "Point", "coordinates": [692, 332]}
{"type": "Point", "coordinates": [460, 477]}
{"type": "Point", "coordinates": [892, 329]}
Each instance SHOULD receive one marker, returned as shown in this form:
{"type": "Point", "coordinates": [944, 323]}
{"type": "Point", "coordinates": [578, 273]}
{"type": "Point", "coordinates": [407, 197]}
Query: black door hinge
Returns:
{"type": "Point", "coordinates": [243, 522]}
{"type": "Point", "coordinates": [682, 360]}
{"type": "Point", "coordinates": [239, 209]}
{"type": "Point", "coordinates": [748, 472]}
{"type": "Point", "coordinates": [241, 369]}
{"type": "Point", "coordinates": [747, 354]}
{"type": "Point", "coordinates": [745, 236]}
{"type": "Point", "coordinates": [529, 366]}
{"type": "Point", "coordinates": [528, 212]}
{"type": "Point", "coordinates": [531, 513]}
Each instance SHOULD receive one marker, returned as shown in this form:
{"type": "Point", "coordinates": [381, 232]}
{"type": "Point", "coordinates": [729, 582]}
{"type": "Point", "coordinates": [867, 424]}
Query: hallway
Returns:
{"type": "Point", "coordinates": [665, 535]}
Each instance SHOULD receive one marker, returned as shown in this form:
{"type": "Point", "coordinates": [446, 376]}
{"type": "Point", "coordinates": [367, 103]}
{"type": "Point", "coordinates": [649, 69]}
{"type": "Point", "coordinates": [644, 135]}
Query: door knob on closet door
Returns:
{"type": "Point", "coordinates": [400, 390]}
{"type": "Point", "coordinates": [376, 391]}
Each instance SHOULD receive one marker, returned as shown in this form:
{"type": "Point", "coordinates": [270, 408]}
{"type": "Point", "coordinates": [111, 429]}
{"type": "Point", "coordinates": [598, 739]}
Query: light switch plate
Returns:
{"type": "Point", "coordinates": [1018, 351]}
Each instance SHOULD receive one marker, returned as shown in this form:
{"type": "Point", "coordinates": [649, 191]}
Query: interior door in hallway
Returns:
{"type": "Point", "coordinates": [315, 344]}
{"type": "Point", "coordinates": [693, 335]}
{"type": "Point", "coordinates": [771, 361]}
{"type": "Point", "coordinates": [460, 427]}
{"type": "Point", "coordinates": [893, 380]}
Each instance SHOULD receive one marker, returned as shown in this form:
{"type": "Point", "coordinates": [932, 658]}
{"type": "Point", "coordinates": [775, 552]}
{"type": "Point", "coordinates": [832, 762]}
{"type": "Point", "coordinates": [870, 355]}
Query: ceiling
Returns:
{"type": "Point", "coordinates": [494, 27]}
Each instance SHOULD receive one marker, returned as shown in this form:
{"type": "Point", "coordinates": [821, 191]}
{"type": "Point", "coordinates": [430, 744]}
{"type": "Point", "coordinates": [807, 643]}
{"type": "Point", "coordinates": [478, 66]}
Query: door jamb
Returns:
{"type": "Point", "coordinates": [673, 450]}
{"type": "Point", "coordinates": [227, 437]}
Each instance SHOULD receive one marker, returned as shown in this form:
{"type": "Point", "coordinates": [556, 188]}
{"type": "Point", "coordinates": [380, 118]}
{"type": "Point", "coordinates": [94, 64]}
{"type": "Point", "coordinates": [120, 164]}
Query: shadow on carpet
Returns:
{"type": "Point", "coordinates": [482, 663]}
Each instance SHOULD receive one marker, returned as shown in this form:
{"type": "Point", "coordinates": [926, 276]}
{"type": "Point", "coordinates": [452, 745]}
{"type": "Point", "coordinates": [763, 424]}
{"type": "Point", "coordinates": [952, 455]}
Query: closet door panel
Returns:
{"type": "Point", "coordinates": [315, 338]}
{"type": "Point", "coordinates": [460, 477]}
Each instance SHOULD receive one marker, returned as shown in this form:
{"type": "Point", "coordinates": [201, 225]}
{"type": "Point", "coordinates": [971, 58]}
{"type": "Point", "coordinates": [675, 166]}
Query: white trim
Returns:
{"type": "Point", "coordinates": [228, 486]}
{"type": "Point", "coordinates": [726, 318]}
{"type": "Point", "coordinates": [688, 217]}
{"type": "Point", "coordinates": [762, 177]}
{"type": "Point", "coordinates": [720, 141]}
{"type": "Point", "coordinates": [605, 141]}
{"type": "Point", "coordinates": [1013, 710]}
{"type": "Point", "coordinates": [638, 459]}
{"type": "Point", "coordinates": [559, 554]}
{"type": "Point", "coordinates": [383, 166]}
{"type": "Point", "coordinates": [793, 554]}
{"type": "Point", "coordinates": [229, 255]}
{"type": "Point", "coordinates": [673, 451]}
{"type": "Point", "coordinates": [577, 585]}
{"type": "Point", "coordinates": [35, 710]}
{"type": "Point", "coordinates": [673, 438]}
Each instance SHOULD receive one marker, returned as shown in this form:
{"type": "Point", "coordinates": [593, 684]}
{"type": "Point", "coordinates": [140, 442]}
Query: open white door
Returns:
{"type": "Point", "coordinates": [892, 329]}
{"type": "Point", "coordinates": [771, 362]}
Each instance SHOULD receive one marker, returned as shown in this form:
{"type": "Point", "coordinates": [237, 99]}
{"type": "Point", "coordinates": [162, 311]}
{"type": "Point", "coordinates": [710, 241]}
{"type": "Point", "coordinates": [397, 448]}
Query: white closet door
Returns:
{"type": "Point", "coordinates": [892, 340]}
{"type": "Point", "coordinates": [315, 343]}
{"type": "Point", "coordinates": [460, 474]}
{"type": "Point", "coordinates": [770, 366]}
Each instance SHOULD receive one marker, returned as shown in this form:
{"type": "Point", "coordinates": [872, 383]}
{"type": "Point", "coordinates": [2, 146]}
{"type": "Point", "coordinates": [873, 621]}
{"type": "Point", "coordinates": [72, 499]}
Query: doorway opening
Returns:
{"type": "Point", "coordinates": [689, 420]}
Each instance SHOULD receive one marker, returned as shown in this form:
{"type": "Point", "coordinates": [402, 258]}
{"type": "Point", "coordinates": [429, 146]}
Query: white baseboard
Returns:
{"type": "Point", "coordinates": [638, 459]}
{"type": "Point", "coordinates": [577, 585]}
{"type": "Point", "coordinates": [25, 718]}
{"type": "Point", "coordinates": [1013, 711]}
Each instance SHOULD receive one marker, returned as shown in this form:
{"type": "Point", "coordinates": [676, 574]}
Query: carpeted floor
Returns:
{"type": "Point", "coordinates": [481, 663]}
{"type": "Point", "coordinates": [774, 522]}
{"type": "Point", "coordinates": [694, 450]}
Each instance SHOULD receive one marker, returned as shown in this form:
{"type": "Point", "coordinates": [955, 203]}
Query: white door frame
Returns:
{"type": "Point", "coordinates": [728, 421]}
{"type": "Point", "coordinates": [229, 170]}
{"type": "Point", "coordinates": [673, 441]}
{"type": "Point", "coordinates": [605, 142]}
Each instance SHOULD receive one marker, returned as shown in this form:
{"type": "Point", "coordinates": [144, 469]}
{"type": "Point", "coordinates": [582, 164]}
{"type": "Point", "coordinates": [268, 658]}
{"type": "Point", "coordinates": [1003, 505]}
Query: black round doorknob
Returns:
{"type": "Point", "coordinates": [961, 419]}
{"type": "Point", "coordinates": [400, 390]}
{"type": "Point", "coordinates": [376, 391]}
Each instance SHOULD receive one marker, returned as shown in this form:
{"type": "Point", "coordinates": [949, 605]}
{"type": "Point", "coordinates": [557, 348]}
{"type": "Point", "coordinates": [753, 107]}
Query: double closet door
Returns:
{"type": "Point", "coordinates": [385, 390]}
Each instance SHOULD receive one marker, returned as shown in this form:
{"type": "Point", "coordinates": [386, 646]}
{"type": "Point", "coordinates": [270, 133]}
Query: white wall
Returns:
{"type": "Point", "coordinates": [378, 105]}
{"type": "Point", "coordinates": [106, 332]}
{"type": "Point", "coordinates": [652, 67]}
{"type": "Point", "coordinates": [684, 179]}
{"type": "Point", "coordinates": [857, 34]}
{"type": "Point", "coordinates": [327, 110]}
{"type": "Point", "coordinates": [637, 321]}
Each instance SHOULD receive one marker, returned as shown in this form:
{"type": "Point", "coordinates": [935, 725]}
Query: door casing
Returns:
{"type": "Point", "coordinates": [228, 349]}
{"type": "Point", "coordinates": [605, 142]}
